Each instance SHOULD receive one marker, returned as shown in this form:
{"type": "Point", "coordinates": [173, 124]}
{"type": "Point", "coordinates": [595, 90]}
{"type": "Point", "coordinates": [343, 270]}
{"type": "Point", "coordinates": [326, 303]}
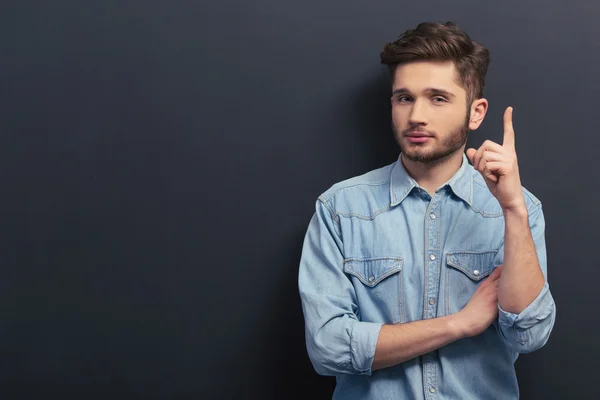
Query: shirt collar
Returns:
{"type": "Point", "coordinates": [401, 183]}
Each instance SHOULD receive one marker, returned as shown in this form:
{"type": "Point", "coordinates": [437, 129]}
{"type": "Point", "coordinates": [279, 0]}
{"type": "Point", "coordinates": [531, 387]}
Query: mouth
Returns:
{"type": "Point", "coordinates": [418, 137]}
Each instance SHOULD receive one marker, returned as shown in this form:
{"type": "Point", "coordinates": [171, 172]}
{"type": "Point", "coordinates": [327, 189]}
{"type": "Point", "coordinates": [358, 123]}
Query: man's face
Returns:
{"type": "Point", "coordinates": [429, 111]}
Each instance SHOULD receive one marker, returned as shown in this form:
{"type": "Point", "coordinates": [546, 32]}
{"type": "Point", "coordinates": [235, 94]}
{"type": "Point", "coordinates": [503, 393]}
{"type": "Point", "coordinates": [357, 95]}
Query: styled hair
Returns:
{"type": "Point", "coordinates": [433, 41]}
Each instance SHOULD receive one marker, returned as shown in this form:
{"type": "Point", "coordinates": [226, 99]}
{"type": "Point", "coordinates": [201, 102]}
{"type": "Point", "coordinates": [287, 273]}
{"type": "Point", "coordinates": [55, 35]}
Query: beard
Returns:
{"type": "Point", "coordinates": [447, 146]}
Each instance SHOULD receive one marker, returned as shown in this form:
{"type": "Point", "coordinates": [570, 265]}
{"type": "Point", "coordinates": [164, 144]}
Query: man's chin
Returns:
{"type": "Point", "coordinates": [418, 155]}
{"type": "Point", "coordinates": [425, 157]}
{"type": "Point", "coordinates": [420, 158]}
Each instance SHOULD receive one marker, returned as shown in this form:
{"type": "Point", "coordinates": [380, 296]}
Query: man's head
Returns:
{"type": "Point", "coordinates": [438, 76]}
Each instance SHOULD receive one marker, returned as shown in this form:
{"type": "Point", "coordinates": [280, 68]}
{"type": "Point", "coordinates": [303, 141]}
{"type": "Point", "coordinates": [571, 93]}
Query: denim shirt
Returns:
{"type": "Point", "coordinates": [380, 250]}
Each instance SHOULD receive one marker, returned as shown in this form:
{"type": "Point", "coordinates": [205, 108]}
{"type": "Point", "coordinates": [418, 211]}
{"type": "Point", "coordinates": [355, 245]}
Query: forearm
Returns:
{"type": "Point", "coordinates": [522, 278]}
{"type": "Point", "coordinates": [402, 342]}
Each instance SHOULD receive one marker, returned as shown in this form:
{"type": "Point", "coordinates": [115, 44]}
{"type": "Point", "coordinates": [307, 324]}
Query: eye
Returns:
{"type": "Point", "coordinates": [403, 98]}
{"type": "Point", "coordinates": [439, 99]}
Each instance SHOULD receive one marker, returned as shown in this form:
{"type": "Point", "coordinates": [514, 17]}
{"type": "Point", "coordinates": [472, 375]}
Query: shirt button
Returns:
{"type": "Point", "coordinates": [432, 301]}
{"type": "Point", "coordinates": [432, 389]}
{"type": "Point", "coordinates": [432, 257]}
{"type": "Point", "coordinates": [432, 216]}
{"type": "Point", "coordinates": [476, 272]}
{"type": "Point", "coordinates": [371, 278]}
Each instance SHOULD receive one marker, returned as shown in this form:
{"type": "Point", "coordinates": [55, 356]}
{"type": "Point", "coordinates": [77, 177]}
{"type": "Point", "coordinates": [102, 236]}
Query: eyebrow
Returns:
{"type": "Point", "coordinates": [429, 90]}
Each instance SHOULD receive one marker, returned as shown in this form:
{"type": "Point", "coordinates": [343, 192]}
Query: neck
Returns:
{"type": "Point", "coordinates": [430, 176]}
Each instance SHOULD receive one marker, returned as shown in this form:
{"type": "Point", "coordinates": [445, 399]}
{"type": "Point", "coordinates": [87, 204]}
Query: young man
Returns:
{"type": "Point", "coordinates": [427, 278]}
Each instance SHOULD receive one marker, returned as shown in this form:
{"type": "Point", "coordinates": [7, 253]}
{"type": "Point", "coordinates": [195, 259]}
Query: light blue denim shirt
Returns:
{"type": "Point", "coordinates": [380, 250]}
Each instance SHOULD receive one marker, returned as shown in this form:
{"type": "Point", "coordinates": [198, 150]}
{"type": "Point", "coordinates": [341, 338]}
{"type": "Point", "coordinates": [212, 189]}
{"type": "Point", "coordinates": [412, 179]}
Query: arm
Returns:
{"type": "Point", "coordinates": [526, 308]}
{"type": "Point", "coordinates": [338, 342]}
{"type": "Point", "coordinates": [522, 280]}
{"type": "Point", "coordinates": [399, 343]}
{"type": "Point", "coordinates": [402, 342]}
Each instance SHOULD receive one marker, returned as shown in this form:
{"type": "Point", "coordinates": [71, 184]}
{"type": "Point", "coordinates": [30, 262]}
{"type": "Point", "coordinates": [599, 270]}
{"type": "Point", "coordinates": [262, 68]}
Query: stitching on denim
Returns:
{"type": "Point", "coordinates": [487, 215]}
{"type": "Point", "coordinates": [466, 198]}
{"type": "Point", "coordinates": [531, 196]}
{"type": "Point", "coordinates": [469, 273]}
{"type": "Point", "coordinates": [398, 269]}
{"type": "Point", "coordinates": [477, 210]}
{"type": "Point", "coordinates": [456, 265]}
{"type": "Point", "coordinates": [470, 193]}
{"type": "Point", "coordinates": [401, 297]}
{"type": "Point", "coordinates": [365, 217]}
{"type": "Point", "coordinates": [480, 183]}
{"type": "Point", "coordinates": [447, 296]}
{"type": "Point", "coordinates": [354, 259]}
{"type": "Point", "coordinates": [521, 335]}
{"type": "Point", "coordinates": [472, 252]}
{"type": "Point", "coordinates": [330, 209]}
{"type": "Point", "coordinates": [438, 250]}
{"type": "Point", "coordinates": [406, 192]}
{"type": "Point", "coordinates": [435, 375]}
{"type": "Point", "coordinates": [426, 265]}
{"type": "Point", "coordinates": [334, 192]}
{"type": "Point", "coordinates": [378, 280]}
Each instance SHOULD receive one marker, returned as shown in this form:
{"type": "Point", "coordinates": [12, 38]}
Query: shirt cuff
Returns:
{"type": "Point", "coordinates": [363, 341]}
{"type": "Point", "coordinates": [532, 314]}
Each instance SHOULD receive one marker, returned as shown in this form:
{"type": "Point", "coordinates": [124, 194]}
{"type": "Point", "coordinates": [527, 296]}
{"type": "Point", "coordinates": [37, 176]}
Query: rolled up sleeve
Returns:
{"type": "Point", "coordinates": [530, 329]}
{"type": "Point", "coordinates": [336, 341]}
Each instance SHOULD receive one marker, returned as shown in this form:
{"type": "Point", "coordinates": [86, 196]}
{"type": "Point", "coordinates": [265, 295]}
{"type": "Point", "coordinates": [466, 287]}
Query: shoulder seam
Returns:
{"type": "Point", "coordinates": [533, 198]}
{"type": "Point", "coordinates": [326, 196]}
{"type": "Point", "coordinates": [328, 207]}
{"type": "Point", "coordinates": [360, 180]}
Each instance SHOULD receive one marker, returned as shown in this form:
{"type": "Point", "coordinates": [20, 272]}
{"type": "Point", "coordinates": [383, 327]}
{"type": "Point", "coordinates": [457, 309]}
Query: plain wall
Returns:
{"type": "Point", "coordinates": [160, 161]}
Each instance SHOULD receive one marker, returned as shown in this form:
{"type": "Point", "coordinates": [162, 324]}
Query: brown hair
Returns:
{"type": "Point", "coordinates": [432, 41]}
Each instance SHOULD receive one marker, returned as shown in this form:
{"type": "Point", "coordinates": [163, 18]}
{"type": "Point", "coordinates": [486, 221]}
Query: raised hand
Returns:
{"type": "Point", "coordinates": [498, 166]}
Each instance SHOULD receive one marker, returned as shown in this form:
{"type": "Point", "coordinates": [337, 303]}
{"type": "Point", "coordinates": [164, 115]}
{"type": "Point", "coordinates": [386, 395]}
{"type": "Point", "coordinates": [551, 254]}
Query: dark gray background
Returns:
{"type": "Point", "coordinates": [160, 160]}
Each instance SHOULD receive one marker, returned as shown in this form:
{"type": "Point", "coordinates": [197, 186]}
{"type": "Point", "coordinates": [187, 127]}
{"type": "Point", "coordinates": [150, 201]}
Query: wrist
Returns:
{"type": "Point", "coordinates": [516, 212]}
{"type": "Point", "coordinates": [515, 207]}
{"type": "Point", "coordinates": [457, 326]}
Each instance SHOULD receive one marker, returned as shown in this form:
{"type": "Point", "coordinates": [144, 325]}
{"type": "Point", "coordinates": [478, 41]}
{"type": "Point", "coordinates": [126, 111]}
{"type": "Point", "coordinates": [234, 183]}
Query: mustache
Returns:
{"type": "Point", "coordinates": [409, 130]}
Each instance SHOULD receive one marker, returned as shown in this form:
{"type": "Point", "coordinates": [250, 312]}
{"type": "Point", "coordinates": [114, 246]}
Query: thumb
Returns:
{"type": "Point", "coordinates": [496, 273]}
{"type": "Point", "coordinates": [471, 154]}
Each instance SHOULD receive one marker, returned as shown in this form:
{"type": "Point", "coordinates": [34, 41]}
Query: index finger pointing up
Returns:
{"type": "Point", "coordinates": [509, 132]}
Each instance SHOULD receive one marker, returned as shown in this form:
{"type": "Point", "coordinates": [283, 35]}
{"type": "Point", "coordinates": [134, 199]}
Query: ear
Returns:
{"type": "Point", "coordinates": [477, 113]}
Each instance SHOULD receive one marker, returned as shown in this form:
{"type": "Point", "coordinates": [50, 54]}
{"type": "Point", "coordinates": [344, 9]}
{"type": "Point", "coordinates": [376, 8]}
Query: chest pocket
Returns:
{"type": "Point", "coordinates": [377, 283]}
{"type": "Point", "coordinates": [465, 270]}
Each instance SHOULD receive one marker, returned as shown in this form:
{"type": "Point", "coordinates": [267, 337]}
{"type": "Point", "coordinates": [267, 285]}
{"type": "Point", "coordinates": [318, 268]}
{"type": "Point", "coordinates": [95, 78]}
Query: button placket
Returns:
{"type": "Point", "coordinates": [432, 271]}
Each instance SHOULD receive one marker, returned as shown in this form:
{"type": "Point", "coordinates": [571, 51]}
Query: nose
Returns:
{"type": "Point", "coordinates": [418, 113]}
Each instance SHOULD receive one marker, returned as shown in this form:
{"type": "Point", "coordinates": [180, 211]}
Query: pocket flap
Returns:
{"type": "Point", "coordinates": [476, 265]}
{"type": "Point", "coordinates": [371, 271]}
